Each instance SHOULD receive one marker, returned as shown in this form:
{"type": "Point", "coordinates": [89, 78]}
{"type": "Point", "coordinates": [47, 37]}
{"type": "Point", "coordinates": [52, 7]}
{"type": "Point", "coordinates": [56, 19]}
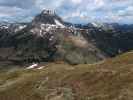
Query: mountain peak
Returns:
{"type": "Point", "coordinates": [48, 12]}
{"type": "Point", "coordinates": [47, 16]}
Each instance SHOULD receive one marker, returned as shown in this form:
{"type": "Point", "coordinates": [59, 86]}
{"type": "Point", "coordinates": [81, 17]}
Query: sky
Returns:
{"type": "Point", "coordinates": [76, 11]}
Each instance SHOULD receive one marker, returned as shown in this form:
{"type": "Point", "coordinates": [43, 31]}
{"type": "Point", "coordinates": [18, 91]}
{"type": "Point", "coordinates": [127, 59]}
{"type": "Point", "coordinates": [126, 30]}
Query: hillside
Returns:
{"type": "Point", "coordinates": [107, 80]}
{"type": "Point", "coordinates": [112, 39]}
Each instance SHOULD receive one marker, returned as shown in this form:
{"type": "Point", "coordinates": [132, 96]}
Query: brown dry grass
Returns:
{"type": "Point", "coordinates": [110, 80]}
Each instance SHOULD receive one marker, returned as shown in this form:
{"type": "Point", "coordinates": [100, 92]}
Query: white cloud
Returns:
{"type": "Point", "coordinates": [77, 1]}
{"type": "Point", "coordinates": [49, 4]}
{"type": "Point", "coordinates": [126, 12]}
{"type": "Point", "coordinates": [99, 2]}
{"type": "Point", "coordinates": [71, 10]}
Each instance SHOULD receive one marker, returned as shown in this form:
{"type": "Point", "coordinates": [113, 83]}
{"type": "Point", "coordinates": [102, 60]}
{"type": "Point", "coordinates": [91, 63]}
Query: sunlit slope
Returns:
{"type": "Point", "coordinates": [108, 80]}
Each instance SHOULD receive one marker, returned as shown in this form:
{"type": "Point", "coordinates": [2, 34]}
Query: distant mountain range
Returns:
{"type": "Point", "coordinates": [49, 38]}
{"type": "Point", "coordinates": [46, 38]}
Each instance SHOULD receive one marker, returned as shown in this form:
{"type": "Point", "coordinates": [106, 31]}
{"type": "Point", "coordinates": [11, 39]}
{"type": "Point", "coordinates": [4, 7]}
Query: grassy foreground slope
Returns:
{"type": "Point", "coordinates": [108, 80]}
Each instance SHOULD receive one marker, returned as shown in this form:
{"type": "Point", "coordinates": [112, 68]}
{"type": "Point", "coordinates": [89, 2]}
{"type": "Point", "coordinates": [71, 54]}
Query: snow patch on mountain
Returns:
{"type": "Point", "coordinates": [20, 28]}
{"type": "Point", "coordinates": [34, 65]}
{"type": "Point", "coordinates": [59, 23]}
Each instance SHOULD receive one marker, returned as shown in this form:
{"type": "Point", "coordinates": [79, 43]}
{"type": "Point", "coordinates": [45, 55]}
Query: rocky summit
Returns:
{"type": "Point", "coordinates": [48, 17]}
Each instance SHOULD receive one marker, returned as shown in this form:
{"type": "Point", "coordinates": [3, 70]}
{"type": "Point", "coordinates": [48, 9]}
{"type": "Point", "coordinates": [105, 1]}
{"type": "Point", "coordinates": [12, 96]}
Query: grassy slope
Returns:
{"type": "Point", "coordinates": [109, 80]}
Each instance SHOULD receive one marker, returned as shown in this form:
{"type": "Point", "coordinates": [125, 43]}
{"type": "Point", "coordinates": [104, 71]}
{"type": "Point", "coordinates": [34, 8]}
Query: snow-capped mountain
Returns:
{"type": "Point", "coordinates": [12, 27]}
{"type": "Point", "coordinates": [48, 17]}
